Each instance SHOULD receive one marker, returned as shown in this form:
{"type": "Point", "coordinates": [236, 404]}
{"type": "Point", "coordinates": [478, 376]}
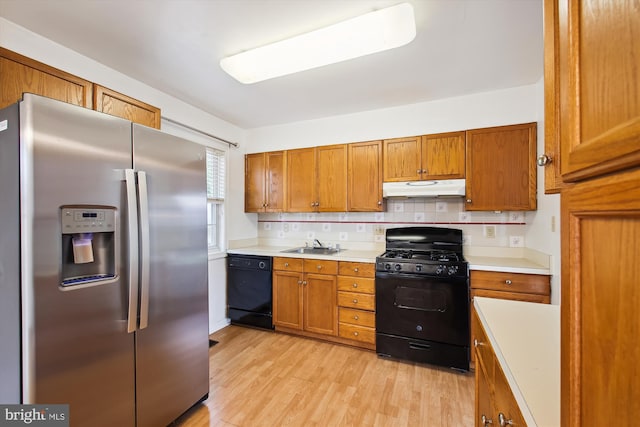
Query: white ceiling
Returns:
{"type": "Point", "coordinates": [461, 47]}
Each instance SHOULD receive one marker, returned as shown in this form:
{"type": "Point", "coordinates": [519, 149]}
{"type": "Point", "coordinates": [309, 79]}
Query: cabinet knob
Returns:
{"type": "Point", "coordinates": [477, 343]}
{"type": "Point", "coordinates": [304, 282]}
{"type": "Point", "coordinates": [286, 264]}
{"type": "Point", "coordinates": [485, 421]}
{"type": "Point", "coordinates": [355, 285]}
{"type": "Point", "coordinates": [299, 282]}
{"type": "Point", "coordinates": [544, 160]}
{"type": "Point", "coordinates": [356, 269]}
{"type": "Point", "coordinates": [355, 301]}
{"type": "Point", "coordinates": [356, 317]}
{"type": "Point", "coordinates": [503, 421]}
{"type": "Point", "coordinates": [468, 200]}
{"type": "Point", "coordinates": [355, 333]}
{"type": "Point", "coordinates": [418, 171]}
{"type": "Point", "coordinates": [313, 204]}
{"type": "Point", "coordinates": [508, 281]}
{"type": "Point", "coordinates": [379, 202]}
{"type": "Point", "coordinates": [319, 267]}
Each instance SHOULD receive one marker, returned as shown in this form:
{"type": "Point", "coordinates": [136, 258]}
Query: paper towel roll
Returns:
{"type": "Point", "coordinates": [82, 249]}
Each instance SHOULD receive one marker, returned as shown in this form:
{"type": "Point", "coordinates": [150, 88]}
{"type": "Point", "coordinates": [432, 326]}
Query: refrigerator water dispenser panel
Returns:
{"type": "Point", "coordinates": [88, 245]}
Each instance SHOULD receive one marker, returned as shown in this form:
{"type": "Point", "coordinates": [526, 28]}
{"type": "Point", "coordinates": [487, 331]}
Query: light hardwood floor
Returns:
{"type": "Point", "coordinates": [261, 378]}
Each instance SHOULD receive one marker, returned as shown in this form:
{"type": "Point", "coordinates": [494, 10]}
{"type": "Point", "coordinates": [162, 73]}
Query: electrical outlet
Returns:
{"type": "Point", "coordinates": [378, 230]}
{"type": "Point", "coordinates": [490, 231]}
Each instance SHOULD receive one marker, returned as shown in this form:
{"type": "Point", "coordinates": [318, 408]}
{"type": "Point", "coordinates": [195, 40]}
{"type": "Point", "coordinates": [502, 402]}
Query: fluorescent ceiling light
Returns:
{"type": "Point", "coordinates": [370, 33]}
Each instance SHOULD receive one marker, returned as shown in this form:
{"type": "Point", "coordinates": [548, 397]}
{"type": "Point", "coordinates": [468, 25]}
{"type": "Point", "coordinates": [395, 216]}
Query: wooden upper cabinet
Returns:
{"type": "Point", "coordinates": [443, 156]}
{"type": "Point", "coordinates": [501, 168]}
{"type": "Point", "coordinates": [364, 177]}
{"type": "Point", "coordinates": [119, 105]}
{"type": "Point", "coordinates": [264, 182]}
{"type": "Point", "coordinates": [19, 74]}
{"type": "Point", "coordinates": [402, 159]}
{"type": "Point", "coordinates": [599, 86]}
{"type": "Point", "coordinates": [331, 178]}
{"type": "Point", "coordinates": [301, 180]}
{"type": "Point", "coordinates": [437, 156]}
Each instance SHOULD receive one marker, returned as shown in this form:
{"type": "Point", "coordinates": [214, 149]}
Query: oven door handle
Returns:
{"type": "Point", "coordinates": [419, 346]}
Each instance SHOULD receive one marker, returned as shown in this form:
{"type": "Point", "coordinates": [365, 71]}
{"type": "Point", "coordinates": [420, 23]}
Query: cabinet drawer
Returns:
{"type": "Point", "coordinates": [358, 333]}
{"type": "Point", "coordinates": [320, 266]}
{"type": "Point", "coordinates": [356, 300]}
{"type": "Point", "coordinates": [287, 264]}
{"type": "Point", "coordinates": [356, 284]}
{"type": "Point", "coordinates": [511, 282]}
{"type": "Point", "coordinates": [357, 317]}
{"type": "Point", "coordinates": [359, 269]}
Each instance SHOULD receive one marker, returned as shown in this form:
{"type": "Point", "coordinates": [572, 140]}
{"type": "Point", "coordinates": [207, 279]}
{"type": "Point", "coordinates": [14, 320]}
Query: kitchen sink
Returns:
{"type": "Point", "coordinates": [314, 251]}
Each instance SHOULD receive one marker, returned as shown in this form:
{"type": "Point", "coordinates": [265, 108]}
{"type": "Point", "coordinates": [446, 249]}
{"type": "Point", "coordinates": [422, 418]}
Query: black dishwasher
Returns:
{"type": "Point", "coordinates": [249, 295]}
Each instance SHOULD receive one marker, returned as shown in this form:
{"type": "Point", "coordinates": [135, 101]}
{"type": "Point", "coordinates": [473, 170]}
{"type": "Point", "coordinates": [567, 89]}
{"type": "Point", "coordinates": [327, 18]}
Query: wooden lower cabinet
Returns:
{"type": "Point", "coordinates": [330, 300]}
{"type": "Point", "coordinates": [511, 286]}
{"type": "Point", "coordinates": [495, 404]}
{"type": "Point", "coordinates": [304, 295]}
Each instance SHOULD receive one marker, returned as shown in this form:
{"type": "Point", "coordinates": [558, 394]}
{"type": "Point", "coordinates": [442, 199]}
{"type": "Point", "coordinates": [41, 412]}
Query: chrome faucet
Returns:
{"type": "Point", "coordinates": [317, 244]}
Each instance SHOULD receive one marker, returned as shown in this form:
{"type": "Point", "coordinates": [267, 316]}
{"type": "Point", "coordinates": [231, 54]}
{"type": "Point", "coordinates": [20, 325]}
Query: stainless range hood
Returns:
{"type": "Point", "coordinates": [439, 188]}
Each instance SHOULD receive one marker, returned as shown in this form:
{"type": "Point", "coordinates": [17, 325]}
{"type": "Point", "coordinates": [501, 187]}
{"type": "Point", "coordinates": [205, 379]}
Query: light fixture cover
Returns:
{"type": "Point", "coordinates": [370, 33]}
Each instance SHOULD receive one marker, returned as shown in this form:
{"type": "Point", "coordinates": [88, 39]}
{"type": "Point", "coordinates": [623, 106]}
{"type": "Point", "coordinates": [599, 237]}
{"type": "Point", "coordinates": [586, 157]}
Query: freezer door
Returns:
{"type": "Point", "coordinates": [172, 343]}
{"type": "Point", "coordinates": [76, 348]}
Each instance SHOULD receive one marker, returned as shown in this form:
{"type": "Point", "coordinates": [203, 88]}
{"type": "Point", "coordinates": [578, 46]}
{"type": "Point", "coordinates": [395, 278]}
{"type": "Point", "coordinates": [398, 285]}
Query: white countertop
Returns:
{"type": "Point", "coordinates": [526, 339]}
{"type": "Point", "coordinates": [498, 262]}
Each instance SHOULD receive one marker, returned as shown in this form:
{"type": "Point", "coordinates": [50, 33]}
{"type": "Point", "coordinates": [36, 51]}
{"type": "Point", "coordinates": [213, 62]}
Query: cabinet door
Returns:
{"type": "Point", "coordinates": [501, 168]}
{"type": "Point", "coordinates": [119, 105]}
{"type": "Point", "coordinates": [484, 399]}
{"type": "Point", "coordinates": [331, 178]}
{"type": "Point", "coordinates": [301, 180]}
{"type": "Point", "coordinates": [600, 297]}
{"type": "Point", "coordinates": [364, 177]}
{"type": "Point", "coordinates": [506, 407]}
{"type": "Point", "coordinates": [401, 159]}
{"type": "Point", "coordinates": [600, 115]}
{"type": "Point", "coordinates": [443, 156]}
{"type": "Point", "coordinates": [254, 182]}
{"type": "Point", "coordinates": [19, 74]}
{"type": "Point", "coordinates": [275, 176]}
{"type": "Point", "coordinates": [320, 308]}
{"type": "Point", "coordinates": [287, 299]}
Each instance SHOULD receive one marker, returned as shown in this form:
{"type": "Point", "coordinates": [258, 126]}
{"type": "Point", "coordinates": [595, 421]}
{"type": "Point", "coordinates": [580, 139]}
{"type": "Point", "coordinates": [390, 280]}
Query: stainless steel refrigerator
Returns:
{"type": "Point", "coordinates": [103, 266]}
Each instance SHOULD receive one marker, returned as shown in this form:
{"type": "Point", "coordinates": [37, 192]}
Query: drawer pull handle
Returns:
{"type": "Point", "coordinates": [508, 281]}
{"type": "Point", "coordinates": [319, 267]}
{"type": "Point", "coordinates": [286, 264]}
{"type": "Point", "coordinates": [355, 301]}
{"type": "Point", "coordinates": [504, 421]}
{"type": "Point", "coordinates": [299, 282]}
{"type": "Point", "coordinates": [355, 285]}
{"type": "Point", "coordinates": [355, 333]}
{"type": "Point", "coordinates": [355, 269]}
{"type": "Point", "coordinates": [477, 343]}
{"type": "Point", "coordinates": [304, 282]}
{"type": "Point", "coordinates": [355, 317]}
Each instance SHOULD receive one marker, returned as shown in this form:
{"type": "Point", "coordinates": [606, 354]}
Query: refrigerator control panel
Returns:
{"type": "Point", "coordinates": [80, 220]}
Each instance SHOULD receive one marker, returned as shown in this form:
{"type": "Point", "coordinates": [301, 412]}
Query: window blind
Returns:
{"type": "Point", "coordinates": [215, 174]}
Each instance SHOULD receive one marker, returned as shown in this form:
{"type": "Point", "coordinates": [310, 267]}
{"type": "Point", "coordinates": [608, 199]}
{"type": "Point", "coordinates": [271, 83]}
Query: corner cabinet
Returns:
{"type": "Point", "coordinates": [364, 177]}
{"type": "Point", "coordinates": [501, 168]}
{"type": "Point", "coordinates": [264, 182]}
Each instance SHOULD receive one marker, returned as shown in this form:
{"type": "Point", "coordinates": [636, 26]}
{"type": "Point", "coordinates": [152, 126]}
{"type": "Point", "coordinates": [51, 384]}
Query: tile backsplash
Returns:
{"type": "Point", "coordinates": [357, 229]}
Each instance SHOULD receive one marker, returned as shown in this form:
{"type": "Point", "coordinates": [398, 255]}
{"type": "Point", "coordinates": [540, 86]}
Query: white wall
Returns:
{"type": "Point", "coordinates": [27, 43]}
{"type": "Point", "coordinates": [503, 107]}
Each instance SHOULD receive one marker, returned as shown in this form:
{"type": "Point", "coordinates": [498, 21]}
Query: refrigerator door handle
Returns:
{"type": "Point", "coordinates": [143, 203]}
{"type": "Point", "coordinates": [132, 242]}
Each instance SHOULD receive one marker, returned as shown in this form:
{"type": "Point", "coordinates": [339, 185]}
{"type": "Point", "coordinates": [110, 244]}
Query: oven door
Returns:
{"type": "Point", "coordinates": [423, 308]}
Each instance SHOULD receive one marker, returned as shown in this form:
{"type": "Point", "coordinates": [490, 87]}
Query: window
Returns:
{"type": "Point", "coordinates": [215, 198]}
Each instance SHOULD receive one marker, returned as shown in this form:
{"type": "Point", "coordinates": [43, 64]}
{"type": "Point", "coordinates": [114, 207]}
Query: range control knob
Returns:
{"type": "Point", "coordinates": [418, 267]}
{"type": "Point", "coordinates": [397, 267]}
{"type": "Point", "coordinates": [440, 269]}
{"type": "Point", "coordinates": [387, 266]}
{"type": "Point", "coordinates": [453, 269]}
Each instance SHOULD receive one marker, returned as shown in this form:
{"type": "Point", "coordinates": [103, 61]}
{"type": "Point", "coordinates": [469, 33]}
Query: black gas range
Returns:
{"type": "Point", "coordinates": [422, 297]}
